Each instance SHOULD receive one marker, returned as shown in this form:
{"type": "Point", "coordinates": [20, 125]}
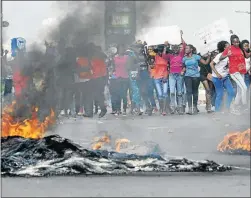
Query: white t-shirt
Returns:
{"type": "Point", "coordinates": [247, 64]}
{"type": "Point", "coordinates": [220, 66]}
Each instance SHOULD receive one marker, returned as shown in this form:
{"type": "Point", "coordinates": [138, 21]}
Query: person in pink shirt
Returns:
{"type": "Point", "coordinates": [121, 78]}
{"type": "Point", "coordinates": [176, 80]}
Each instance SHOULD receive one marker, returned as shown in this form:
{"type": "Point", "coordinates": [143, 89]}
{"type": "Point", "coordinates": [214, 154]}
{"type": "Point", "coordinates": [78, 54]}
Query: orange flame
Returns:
{"type": "Point", "coordinates": [28, 128]}
{"type": "Point", "coordinates": [119, 143]}
{"type": "Point", "coordinates": [99, 142]}
{"type": "Point", "coordinates": [235, 142]}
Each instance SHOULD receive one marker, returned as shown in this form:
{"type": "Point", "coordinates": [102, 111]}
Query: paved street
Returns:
{"type": "Point", "coordinates": [193, 137]}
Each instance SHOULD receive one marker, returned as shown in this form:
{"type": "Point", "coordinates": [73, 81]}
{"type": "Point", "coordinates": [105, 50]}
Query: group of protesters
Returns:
{"type": "Point", "coordinates": [164, 78]}
{"type": "Point", "coordinates": [175, 72]}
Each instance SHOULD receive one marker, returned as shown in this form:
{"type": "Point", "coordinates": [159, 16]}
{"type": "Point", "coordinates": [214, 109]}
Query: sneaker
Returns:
{"type": "Point", "coordinates": [155, 110]}
{"type": "Point", "coordinates": [181, 111]}
{"type": "Point", "coordinates": [62, 112]}
{"type": "Point", "coordinates": [81, 112]}
{"type": "Point", "coordinates": [164, 113]}
{"type": "Point", "coordinates": [190, 111]}
{"type": "Point", "coordinates": [172, 110]}
{"type": "Point", "coordinates": [102, 113]}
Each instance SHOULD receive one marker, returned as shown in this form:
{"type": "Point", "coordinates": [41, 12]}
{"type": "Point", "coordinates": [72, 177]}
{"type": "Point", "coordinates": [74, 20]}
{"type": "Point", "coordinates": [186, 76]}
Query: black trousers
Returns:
{"type": "Point", "coordinates": [192, 89]}
{"type": "Point", "coordinates": [8, 86]}
{"type": "Point", "coordinates": [98, 91]}
{"type": "Point", "coordinates": [121, 86]}
{"type": "Point", "coordinates": [112, 90]}
{"type": "Point", "coordinates": [67, 92]}
{"type": "Point", "coordinates": [84, 97]}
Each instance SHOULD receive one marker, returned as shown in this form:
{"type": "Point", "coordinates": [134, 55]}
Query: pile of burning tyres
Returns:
{"type": "Point", "coordinates": [29, 126]}
{"type": "Point", "coordinates": [26, 151]}
{"type": "Point", "coordinates": [236, 143]}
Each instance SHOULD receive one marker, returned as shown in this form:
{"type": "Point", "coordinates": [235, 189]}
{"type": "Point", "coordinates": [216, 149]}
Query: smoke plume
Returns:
{"type": "Point", "coordinates": [79, 22]}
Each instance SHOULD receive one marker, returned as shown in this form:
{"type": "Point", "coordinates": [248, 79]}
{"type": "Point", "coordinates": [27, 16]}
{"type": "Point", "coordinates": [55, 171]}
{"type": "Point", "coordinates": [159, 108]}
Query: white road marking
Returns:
{"type": "Point", "coordinates": [241, 168]}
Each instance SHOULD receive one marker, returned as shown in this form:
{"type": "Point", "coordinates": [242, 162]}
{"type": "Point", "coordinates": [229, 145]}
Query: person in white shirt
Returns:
{"type": "Point", "coordinates": [221, 79]}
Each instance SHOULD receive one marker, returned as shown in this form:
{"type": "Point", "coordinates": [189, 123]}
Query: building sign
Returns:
{"type": "Point", "coordinates": [17, 44]}
{"type": "Point", "coordinates": [119, 20]}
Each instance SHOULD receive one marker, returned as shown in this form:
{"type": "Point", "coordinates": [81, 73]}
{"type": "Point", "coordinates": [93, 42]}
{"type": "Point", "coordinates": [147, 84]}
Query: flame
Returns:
{"type": "Point", "coordinates": [238, 141]}
{"type": "Point", "coordinates": [99, 142]}
{"type": "Point", "coordinates": [120, 142]}
{"type": "Point", "coordinates": [28, 128]}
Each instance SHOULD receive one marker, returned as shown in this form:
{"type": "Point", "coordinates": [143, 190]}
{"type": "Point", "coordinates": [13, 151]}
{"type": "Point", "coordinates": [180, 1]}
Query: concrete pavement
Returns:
{"type": "Point", "coordinates": [194, 137]}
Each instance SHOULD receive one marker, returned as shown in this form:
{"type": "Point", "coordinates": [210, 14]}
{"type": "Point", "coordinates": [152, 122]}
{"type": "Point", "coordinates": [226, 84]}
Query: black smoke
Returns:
{"type": "Point", "coordinates": [80, 23]}
{"type": "Point", "coordinates": [48, 71]}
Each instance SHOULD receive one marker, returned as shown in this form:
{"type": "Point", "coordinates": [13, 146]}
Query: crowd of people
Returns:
{"type": "Point", "coordinates": [163, 79]}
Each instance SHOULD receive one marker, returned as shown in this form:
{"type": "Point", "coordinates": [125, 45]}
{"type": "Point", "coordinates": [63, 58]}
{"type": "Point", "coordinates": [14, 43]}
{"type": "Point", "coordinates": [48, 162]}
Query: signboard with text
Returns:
{"type": "Point", "coordinates": [210, 35]}
{"type": "Point", "coordinates": [17, 44]}
{"type": "Point", "coordinates": [158, 35]}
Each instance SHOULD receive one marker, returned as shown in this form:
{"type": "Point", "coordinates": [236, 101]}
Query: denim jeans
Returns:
{"type": "Point", "coordinates": [247, 79]}
{"type": "Point", "coordinates": [219, 85]}
{"type": "Point", "coordinates": [247, 82]}
{"type": "Point", "coordinates": [162, 88]}
{"type": "Point", "coordinates": [147, 88]}
{"type": "Point", "coordinates": [176, 84]}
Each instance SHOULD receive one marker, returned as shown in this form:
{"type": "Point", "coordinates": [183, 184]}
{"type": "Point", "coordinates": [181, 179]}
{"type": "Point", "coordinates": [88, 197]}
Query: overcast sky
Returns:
{"type": "Point", "coordinates": [25, 17]}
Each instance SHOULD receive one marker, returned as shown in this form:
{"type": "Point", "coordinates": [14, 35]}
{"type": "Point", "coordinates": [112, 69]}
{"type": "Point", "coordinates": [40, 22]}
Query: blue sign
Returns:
{"type": "Point", "coordinates": [17, 44]}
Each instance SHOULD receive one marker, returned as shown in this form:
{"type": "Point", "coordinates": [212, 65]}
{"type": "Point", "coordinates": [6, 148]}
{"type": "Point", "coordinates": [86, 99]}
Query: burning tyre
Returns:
{"type": "Point", "coordinates": [236, 143]}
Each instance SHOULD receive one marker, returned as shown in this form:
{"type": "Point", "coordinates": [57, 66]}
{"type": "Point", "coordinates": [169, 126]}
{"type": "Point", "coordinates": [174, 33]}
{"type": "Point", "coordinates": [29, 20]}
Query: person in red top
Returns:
{"type": "Point", "coordinates": [20, 80]}
{"type": "Point", "coordinates": [237, 68]}
{"type": "Point", "coordinates": [160, 80]}
{"type": "Point", "coordinates": [83, 85]}
{"type": "Point", "coordinates": [99, 78]}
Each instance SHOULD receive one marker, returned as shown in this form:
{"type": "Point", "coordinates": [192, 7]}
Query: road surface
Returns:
{"type": "Point", "coordinates": [193, 137]}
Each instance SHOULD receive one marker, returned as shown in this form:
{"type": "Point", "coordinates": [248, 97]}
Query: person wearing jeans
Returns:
{"type": "Point", "coordinates": [192, 77]}
{"type": "Point", "coordinates": [221, 79]}
{"type": "Point", "coordinates": [175, 77]}
{"type": "Point", "coordinates": [161, 81]}
{"type": "Point", "coordinates": [237, 68]}
{"type": "Point", "coordinates": [220, 84]}
{"type": "Point", "coordinates": [176, 81]}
